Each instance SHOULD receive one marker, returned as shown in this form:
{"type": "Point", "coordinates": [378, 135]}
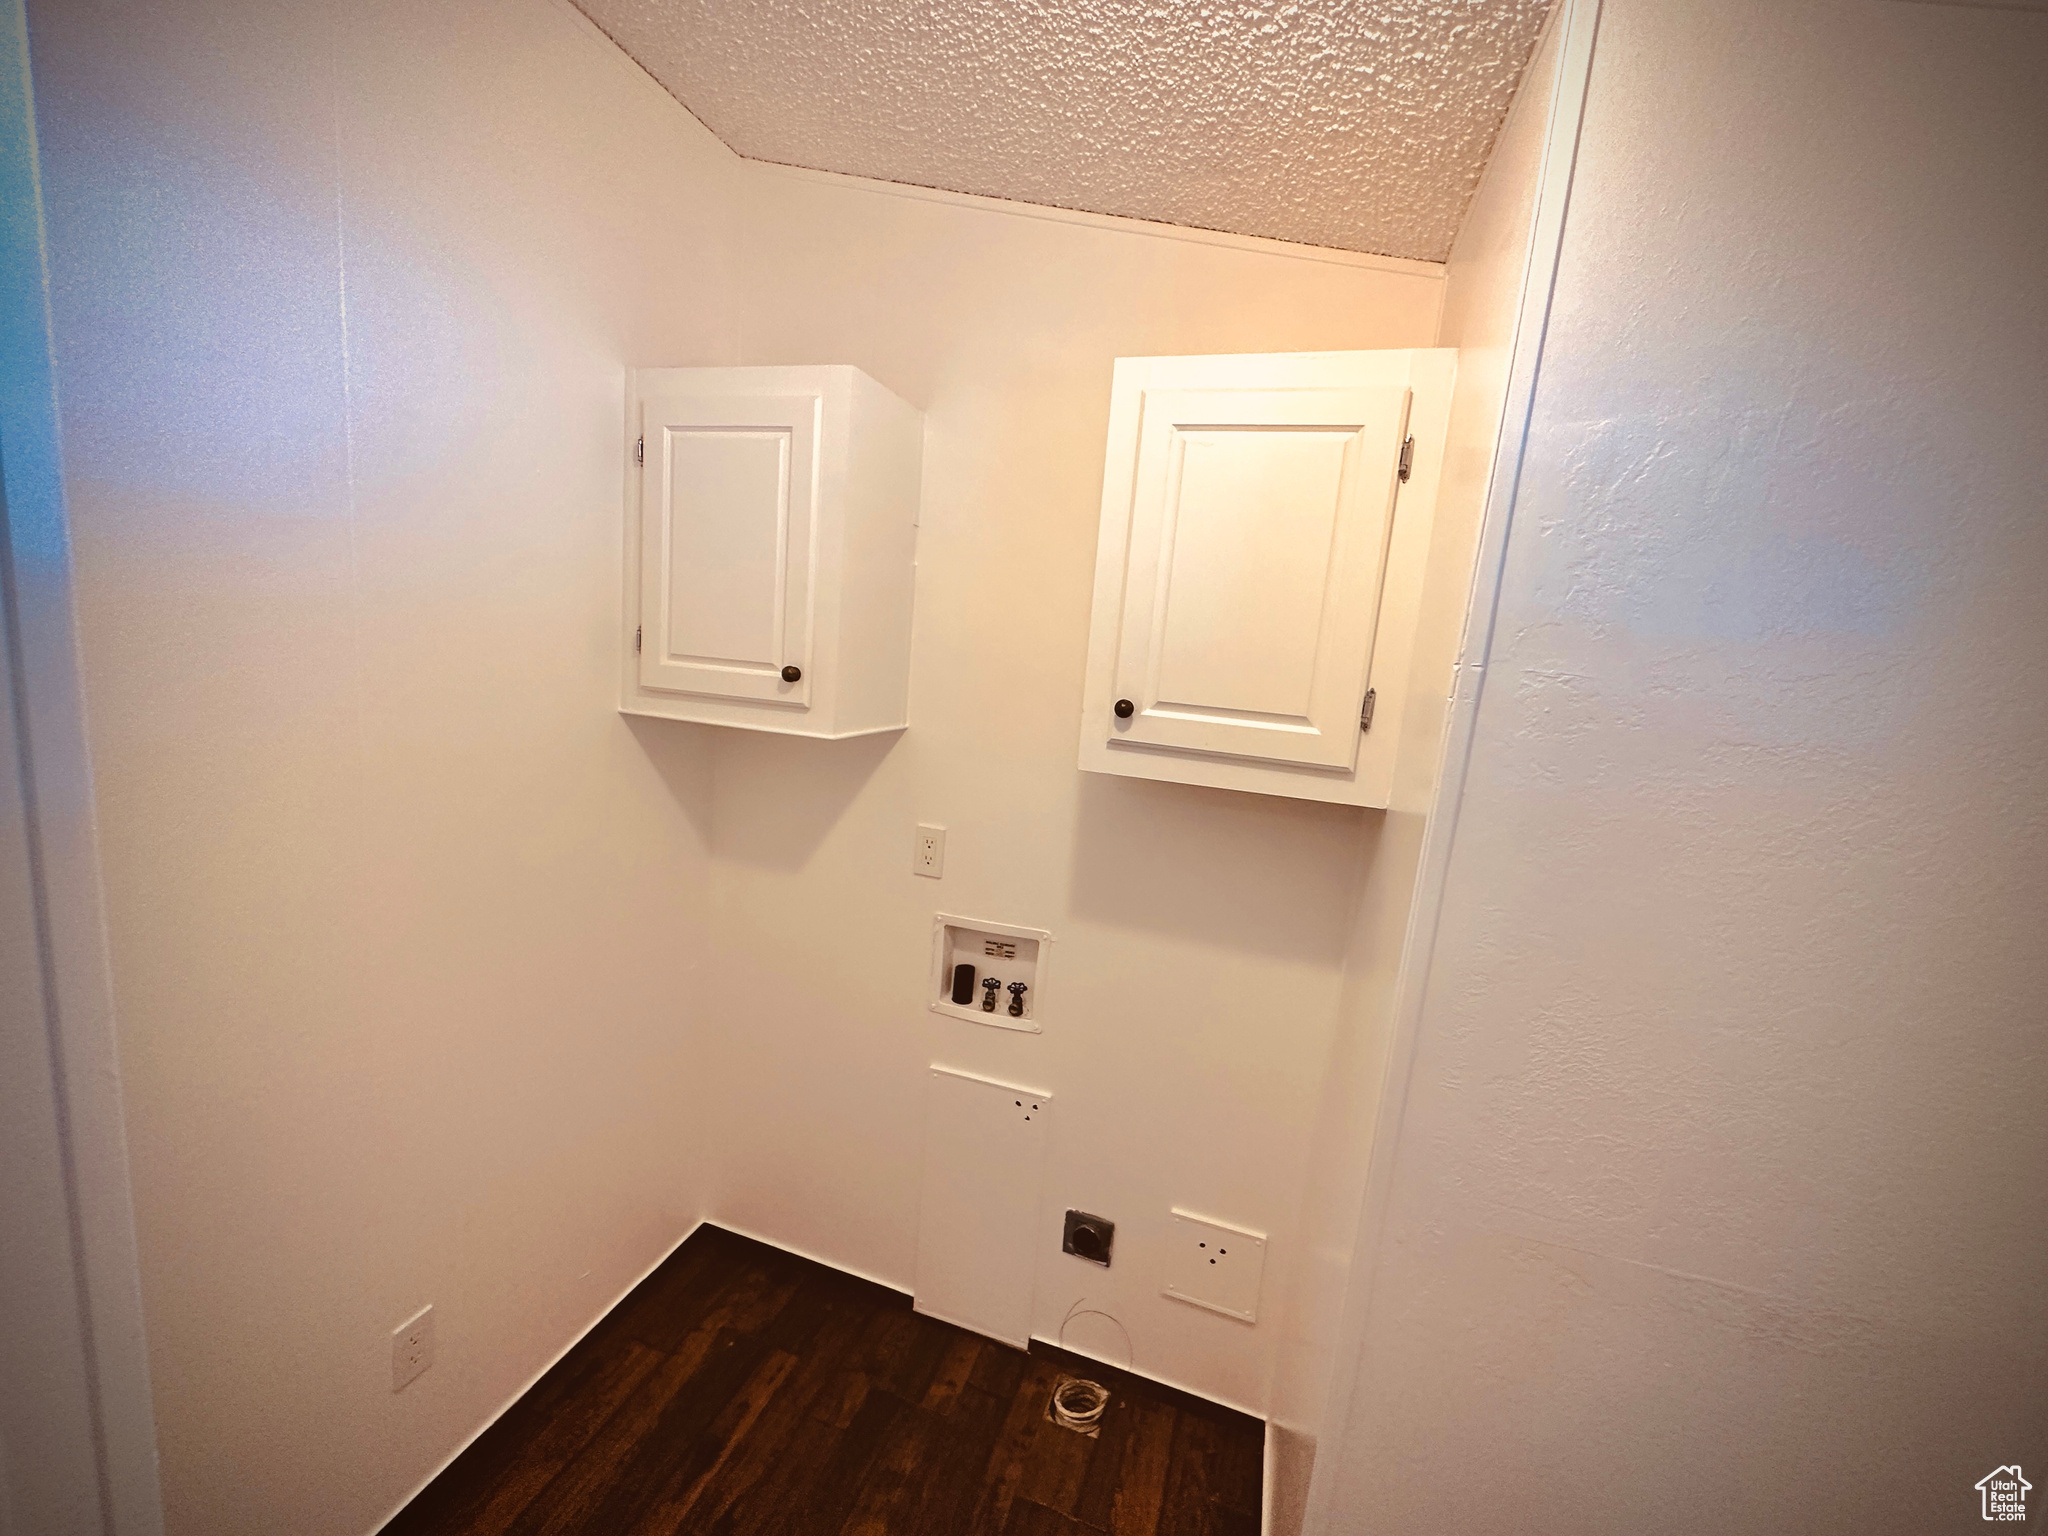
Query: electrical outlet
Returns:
{"type": "Point", "coordinates": [1088, 1237]}
{"type": "Point", "coordinates": [928, 854]}
{"type": "Point", "coordinates": [1215, 1265]}
{"type": "Point", "coordinates": [412, 1348]}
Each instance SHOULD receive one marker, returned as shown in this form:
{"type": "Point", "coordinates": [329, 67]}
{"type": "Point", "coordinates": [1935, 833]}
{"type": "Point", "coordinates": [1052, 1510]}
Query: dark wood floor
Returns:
{"type": "Point", "coordinates": [741, 1389]}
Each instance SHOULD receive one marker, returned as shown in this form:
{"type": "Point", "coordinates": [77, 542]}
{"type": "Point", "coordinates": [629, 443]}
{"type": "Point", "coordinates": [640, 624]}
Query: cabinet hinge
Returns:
{"type": "Point", "coordinates": [636, 639]}
{"type": "Point", "coordinates": [1365, 709]}
{"type": "Point", "coordinates": [1407, 458]}
{"type": "Point", "coordinates": [640, 456]}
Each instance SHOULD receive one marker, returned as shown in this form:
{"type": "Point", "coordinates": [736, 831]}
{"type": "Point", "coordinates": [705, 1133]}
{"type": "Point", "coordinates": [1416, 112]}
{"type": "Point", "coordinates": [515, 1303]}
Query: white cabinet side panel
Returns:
{"type": "Point", "coordinates": [978, 1210]}
{"type": "Point", "coordinates": [880, 567]}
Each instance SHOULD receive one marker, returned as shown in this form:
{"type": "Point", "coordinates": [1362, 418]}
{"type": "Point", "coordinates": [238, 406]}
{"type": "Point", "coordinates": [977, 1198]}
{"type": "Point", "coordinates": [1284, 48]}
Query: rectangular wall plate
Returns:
{"type": "Point", "coordinates": [1002, 950]}
{"type": "Point", "coordinates": [1215, 1265]}
{"type": "Point", "coordinates": [412, 1348]}
{"type": "Point", "coordinates": [977, 1227]}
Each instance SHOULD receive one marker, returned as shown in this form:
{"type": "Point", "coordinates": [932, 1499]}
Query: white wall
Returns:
{"type": "Point", "coordinates": [406, 922]}
{"type": "Point", "coordinates": [1482, 301]}
{"type": "Point", "coordinates": [1715, 1203]}
{"type": "Point", "coordinates": [1199, 935]}
{"type": "Point", "coordinates": [1711, 1171]}
{"type": "Point", "coordinates": [439, 982]}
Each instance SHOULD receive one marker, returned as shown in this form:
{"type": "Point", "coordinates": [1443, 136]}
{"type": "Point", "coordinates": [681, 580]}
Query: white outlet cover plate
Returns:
{"type": "Point", "coordinates": [1215, 1265]}
{"type": "Point", "coordinates": [936, 869]}
{"type": "Point", "coordinates": [412, 1348]}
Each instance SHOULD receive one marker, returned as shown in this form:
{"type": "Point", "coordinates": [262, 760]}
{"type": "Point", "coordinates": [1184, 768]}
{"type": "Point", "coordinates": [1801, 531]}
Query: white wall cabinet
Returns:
{"type": "Point", "coordinates": [1263, 540]}
{"type": "Point", "coordinates": [770, 549]}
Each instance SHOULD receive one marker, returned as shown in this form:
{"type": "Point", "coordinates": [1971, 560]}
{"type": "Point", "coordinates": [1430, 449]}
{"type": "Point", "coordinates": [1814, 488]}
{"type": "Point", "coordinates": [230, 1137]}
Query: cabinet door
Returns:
{"type": "Point", "coordinates": [1258, 539]}
{"type": "Point", "coordinates": [728, 514]}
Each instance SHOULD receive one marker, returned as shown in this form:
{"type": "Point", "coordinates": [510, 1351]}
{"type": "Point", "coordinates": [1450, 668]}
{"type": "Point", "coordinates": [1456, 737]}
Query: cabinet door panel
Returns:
{"type": "Point", "coordinates": [1258, 536]}
{"type": "Point", "coordinates": [728, 532]}
{"type": "Point", "coordinates": [728, 510]}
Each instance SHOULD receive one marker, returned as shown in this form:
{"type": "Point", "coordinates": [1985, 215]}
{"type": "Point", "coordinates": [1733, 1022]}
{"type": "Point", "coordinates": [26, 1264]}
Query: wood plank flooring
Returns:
{"type": "Point", "coordinates": [742, 1390]}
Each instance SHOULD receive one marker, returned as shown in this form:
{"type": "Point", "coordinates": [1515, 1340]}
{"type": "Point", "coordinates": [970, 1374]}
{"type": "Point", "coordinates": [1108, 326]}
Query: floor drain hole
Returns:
{"type": "Point", "coordinates": [1078, 1404]}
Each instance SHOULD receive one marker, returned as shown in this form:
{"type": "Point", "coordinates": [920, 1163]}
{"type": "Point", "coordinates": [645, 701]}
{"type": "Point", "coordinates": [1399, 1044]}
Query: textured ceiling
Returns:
{"type": "Point", "coordinates": [1361, 124]}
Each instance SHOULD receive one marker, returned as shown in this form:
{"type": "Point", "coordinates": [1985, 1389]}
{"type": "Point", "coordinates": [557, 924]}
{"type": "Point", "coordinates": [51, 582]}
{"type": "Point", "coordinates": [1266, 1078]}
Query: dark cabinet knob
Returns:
{"type": "Point", "coordinates": [1125, 709]}
{"type": "Point", "coordinates": [792, 674]}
